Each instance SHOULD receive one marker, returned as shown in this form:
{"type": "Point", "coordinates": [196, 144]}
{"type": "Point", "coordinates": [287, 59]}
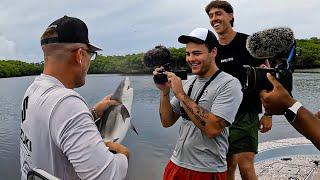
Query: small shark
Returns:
{"type": "Point", "coordinates": [115, 121]}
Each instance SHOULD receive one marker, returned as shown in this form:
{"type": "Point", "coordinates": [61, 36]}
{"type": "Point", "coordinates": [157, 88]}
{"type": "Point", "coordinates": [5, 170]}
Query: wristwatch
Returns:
{"type": "Point", "coordinates": [291, 112]}
{"type": "Point", "coordinates": [267, 115]}
{"type": "Point", "coordinates": [94, 113]}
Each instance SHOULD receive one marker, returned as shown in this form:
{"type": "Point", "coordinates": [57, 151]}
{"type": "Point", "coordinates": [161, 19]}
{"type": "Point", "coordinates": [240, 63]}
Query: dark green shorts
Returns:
{"type": "Point", "coordinates": [243, 135]}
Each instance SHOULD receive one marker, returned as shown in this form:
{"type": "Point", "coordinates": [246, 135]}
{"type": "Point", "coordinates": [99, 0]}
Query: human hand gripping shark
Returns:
{"type": "Point", "coordinates": [115, 121]}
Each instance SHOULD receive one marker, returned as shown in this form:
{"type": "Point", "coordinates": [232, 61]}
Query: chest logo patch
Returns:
{"type": "Point", "coordinates": [227, 60]}
{"type": "Point", "coordinates": [205, 93]}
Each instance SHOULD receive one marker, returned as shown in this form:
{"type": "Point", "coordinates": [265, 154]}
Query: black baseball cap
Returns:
{"type": "Point", "coordinates": [67, 30]}
{"type": "Point", "coordinates": [201, 36]}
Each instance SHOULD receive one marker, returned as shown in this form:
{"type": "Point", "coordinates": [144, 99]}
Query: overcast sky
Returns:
{"type": "Point", "coordinates": [132, 26]}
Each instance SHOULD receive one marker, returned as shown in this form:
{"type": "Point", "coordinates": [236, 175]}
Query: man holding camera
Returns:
{"type": "Point", "coordinates": [207, 103]}
{"type": "Point", "coordinates": [278, 102]}
{"type": "Point", "coordinates": [232, 55]}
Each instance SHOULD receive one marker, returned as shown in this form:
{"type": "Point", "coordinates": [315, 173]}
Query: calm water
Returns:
{"type": "Point", "coordinates": [151, 150]}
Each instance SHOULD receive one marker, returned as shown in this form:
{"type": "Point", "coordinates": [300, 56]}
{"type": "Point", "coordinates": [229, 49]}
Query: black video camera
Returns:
{"type": "Point", "coordinates": [279, 47]}
{"type": "Point", "coordinates": [257, 77]}
{"type": "Point", "coordinates": [160, 57]}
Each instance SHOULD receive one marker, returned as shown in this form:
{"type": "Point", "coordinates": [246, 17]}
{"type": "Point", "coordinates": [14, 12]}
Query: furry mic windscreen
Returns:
{"type": "Point", "coordinates": [157, 56]}
{"type": "Point", "coordinates": [270, 42]}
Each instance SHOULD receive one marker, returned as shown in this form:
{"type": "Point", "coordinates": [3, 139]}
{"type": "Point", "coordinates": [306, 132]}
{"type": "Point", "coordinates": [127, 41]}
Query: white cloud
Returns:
{"type": "Point", "coordinates": [7, 48]}
{"type": "Point", "coordinates": [301, 16]}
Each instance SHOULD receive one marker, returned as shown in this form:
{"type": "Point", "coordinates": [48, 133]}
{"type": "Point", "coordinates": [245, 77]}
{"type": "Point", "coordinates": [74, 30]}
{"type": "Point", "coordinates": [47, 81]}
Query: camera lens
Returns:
{"type": "Point", "coordinates": [160, 78]}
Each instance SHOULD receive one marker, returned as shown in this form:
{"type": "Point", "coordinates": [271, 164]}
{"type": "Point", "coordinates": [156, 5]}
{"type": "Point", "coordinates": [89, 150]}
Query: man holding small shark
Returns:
{"type": "Point", "coordinates": [115, 121]}
{"type": "Point", "coordinates": [58, 134]}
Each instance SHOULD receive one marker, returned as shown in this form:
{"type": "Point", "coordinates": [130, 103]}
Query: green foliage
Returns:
{"type": "Point", "coordinates": [179, 57]}
{"type": "Point", "coordinates": [12, 68]}
{"type": "Point", "coordinates": [133, 63]}
{"type": "Point", "coordinates": [117, 64]}
{"type": "Point", "coordinates": [310, 56]}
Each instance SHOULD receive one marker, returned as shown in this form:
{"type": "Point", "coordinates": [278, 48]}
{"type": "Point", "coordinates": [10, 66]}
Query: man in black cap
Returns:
{"type": "Point", "coordinates": [58, 133]}
{"type": "Point", "coordinates": [207, 103]}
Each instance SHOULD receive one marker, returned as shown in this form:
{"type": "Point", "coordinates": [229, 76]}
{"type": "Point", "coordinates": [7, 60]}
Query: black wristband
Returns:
{"type": "Point", "coordinates": [268, 115]}
{"type": "Point", "coordinates": [94, 113]}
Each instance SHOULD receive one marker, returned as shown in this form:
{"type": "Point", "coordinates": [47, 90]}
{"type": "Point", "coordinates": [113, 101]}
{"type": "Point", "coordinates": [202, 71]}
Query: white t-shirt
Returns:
{"type": "Point", "coordinates": [59, 136]}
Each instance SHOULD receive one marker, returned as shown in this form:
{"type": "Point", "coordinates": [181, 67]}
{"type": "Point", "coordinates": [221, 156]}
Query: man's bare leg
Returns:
{"type": "Point", "coordinates": [232, 163]}
{"type": "Point", "coordinates": [246, 165]}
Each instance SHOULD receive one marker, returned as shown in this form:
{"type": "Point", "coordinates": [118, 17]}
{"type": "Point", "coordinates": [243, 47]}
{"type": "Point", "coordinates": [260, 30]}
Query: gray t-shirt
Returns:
{"type": "Point", "coordinates": [195, 150]}
{"type": "Point", "coordinates": [59, 136]}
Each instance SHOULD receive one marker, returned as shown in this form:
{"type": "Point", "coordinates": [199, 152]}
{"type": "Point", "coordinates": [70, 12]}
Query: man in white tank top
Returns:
{"type": "Point", "coordinates": [58, 133]}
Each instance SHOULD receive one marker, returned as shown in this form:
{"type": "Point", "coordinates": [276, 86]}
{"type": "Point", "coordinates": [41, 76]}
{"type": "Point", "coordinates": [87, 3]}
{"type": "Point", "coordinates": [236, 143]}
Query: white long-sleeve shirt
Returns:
{"type": "Point", "coordinates": [59, 136]}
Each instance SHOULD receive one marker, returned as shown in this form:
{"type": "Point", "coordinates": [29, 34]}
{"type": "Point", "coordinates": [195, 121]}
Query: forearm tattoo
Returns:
{"type": "Point", "coordinates": [221, 123]}
{"type": "Point", "coordinates": [198, 112]}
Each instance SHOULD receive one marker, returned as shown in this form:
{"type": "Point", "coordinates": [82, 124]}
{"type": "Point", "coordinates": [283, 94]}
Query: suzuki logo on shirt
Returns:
{"type": "Point", "coordinates": [205, 93]}
{"type": "Point", "coordinates": [227, 60]}
{"type": "Point", "coordinates": [25, 140]}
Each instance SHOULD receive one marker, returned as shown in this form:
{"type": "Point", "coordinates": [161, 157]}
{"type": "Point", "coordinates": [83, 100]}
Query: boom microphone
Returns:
{"type": "Point", "coordinates": [157, 57]}
{"type": "Point", "coordinates": [269, 43]}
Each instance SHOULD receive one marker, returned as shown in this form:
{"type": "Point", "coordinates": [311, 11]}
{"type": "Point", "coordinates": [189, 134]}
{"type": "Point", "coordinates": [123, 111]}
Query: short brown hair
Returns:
{"type": "Point", "coordinates": [220, 5]}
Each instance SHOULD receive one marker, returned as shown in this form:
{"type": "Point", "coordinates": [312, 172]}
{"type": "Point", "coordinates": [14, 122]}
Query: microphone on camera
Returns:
{"type": "Point", "coordinates": [270, 43]}
{"type": "Point", "coordinates": [156, 57]}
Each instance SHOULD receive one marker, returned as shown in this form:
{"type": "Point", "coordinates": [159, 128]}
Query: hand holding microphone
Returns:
{"type": "Point", "coordinates": [277, 100]}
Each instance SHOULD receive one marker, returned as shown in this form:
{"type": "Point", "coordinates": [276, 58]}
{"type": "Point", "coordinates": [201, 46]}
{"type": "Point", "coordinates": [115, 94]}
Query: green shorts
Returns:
{"type": "Point", "coordinates": [243, 134]}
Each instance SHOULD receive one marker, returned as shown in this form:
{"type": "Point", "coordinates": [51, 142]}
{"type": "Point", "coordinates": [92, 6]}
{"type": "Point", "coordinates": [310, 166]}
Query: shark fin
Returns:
{"type": "Point", "coordinates": [100, 122]}
{"type": "Point", "coordinates": [134, 129]}
{"type": "Point", "coordinates": [97, 122]}
{"type": "Point", "coordinates": [124, 112]}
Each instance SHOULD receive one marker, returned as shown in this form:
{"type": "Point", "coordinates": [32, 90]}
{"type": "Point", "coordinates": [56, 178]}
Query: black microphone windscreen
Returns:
{"type": "Point", "coordinates": [270, 42]}
{"type": "Point", "coordinates": [156, 57]}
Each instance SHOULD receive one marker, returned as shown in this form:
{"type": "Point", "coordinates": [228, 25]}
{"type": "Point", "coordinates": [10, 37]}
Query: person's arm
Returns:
{"type": "Point", "coordinates": [98, 109]}
{"type": "Point", "coordinates": [118, 148]}
{"type": "Point", "coordinates": [317, 114]}
{"type": "Point", "coordinates": [210, 123]}
{"type": "Point", "coordinates": [279, 100]}
{"type": "Point", "coordinates": [76, 135]}
{"type": "Point", "coordinates": [206, 121]}
{"type": "Point", "coordinates": [308, 125]}
{"type": "Point", "coordinates": [167, 115]}
{"type": "Point", "coordinates": [265, 123]}
{"type": "Point", "coordinates": [266, 119]}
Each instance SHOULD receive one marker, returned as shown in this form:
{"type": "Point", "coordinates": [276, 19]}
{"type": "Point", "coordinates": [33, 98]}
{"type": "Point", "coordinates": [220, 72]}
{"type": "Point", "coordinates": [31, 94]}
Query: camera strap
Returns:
{"type": "Point", "coordinates": [204, 87]}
